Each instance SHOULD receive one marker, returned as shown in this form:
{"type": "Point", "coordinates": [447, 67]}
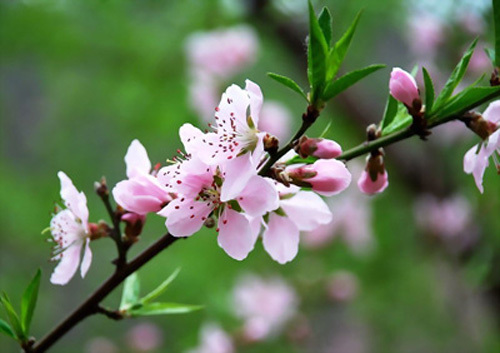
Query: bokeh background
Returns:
{"type": "Point", "coordinates": [415, 269]}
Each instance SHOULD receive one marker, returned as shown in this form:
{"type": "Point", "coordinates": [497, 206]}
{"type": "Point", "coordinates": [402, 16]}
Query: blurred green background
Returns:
{"type": "Point", "coordinates": [81, 79]}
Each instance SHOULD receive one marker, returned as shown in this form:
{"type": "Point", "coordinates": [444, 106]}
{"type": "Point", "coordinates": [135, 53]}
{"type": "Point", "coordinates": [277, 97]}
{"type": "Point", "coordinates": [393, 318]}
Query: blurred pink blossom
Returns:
{"type": "Point", "coordinates": [265, 305]}
{"type": "Point", "coordinates": [275, 118]}
{"type": "Point", "coordinates": [101, 345]}
{"type": "Point", "coordinates": [214, 340]}
{"type": "Point", "coordinates": [425, 34]}
{"type": "Point", "coordinates": [144, 337]}
{"type": "Point", "coordinates": [342, 286]}
{"type": "Point", "coordinates": [479, 62]}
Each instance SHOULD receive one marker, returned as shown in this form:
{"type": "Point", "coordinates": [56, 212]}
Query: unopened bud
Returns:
{"type": "Point", "coordinates": [209, 222]}
{"type": "Point", "coordinates": [403, 87]}
{"type": "Point", "coordinates": [318, 147]}
{"type": "Point", "coordinates": [101, 188]}
{"type": "Point", "coordinates": [133, 225]}
{"type": "Point", "coordinates": [374, 178]}
{"type": "Point", "coordinates": [325, 176]}
{"type": "Point", "coordinates": [99, 230]}
{"type": "Point", "coordinates": [271, 143]}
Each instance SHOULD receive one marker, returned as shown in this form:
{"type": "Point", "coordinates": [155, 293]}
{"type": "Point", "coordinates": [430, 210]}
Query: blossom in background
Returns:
{"type": "Point", "coordinates": [101, 345]}
{"type": "Point", "coordinates": [214, 340]}
{"type": "Point", "coordinates": [142, 192]}
{"type": "Point", "coordinates": [144, 337]}
{"type": "Point", "coordinates": [403, 87]}
{"type": "Point", "coordinates": [275, 119]}
{"type": "Point", "coordinates": [476, 158]}
{"type": "Point", "coordinates": [265, 305]}
{"type": "Point", "coordinates": [426, 33]}
{"type": "Point", "coordinates": [342, 286]}
{"type": "Point", "coordinates": [71, 232]}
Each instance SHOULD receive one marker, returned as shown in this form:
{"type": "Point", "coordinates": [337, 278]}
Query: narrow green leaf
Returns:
{"type": "Point", "coordinates": [491, 54]}
{"type": "Point", "coordinates": [161, 288]}
{"type": "Point", "coordinates": [391, 108]}
{"type": "Point", "coordinates": [325, 22]}
{"type": "Point", "coordinates": [130, 295]}
{"type": "Point", "coordinates": [468, 99]}
{"type": "Point", "coordinates": [288, 82]}
{"type": "Point", "coordinates": [455, 77]}
{"type": "Point", "coordinates": [164, 309]}
{"type": "Point", "coordinates": [429, 91]}
{"type": "Point", "coordinates": [316, 56]}
{"type": "Point", "coordinates": [346, 81]}
{"type": "Point", "coordinates": [338, 52]}
{"type": "Point", "coordinates": [6, 329]}
{"type": "Point", "coordinates": [496, 19]}
{"type": "Point", "coordinates": [13, 318]}
{"type": "Point", "coordinates": [325, 130]}
{"type": "Point", "coordinates": [400, 119]}
{"type": "Point", "coordinates": [28, 302]}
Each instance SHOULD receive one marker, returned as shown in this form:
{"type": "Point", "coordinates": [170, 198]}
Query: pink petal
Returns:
{"type": "Point", "coordinates": [259, 196]}
{"type": "Point", "coordinates": [137, 160]}
{"type": "Point", "coordinates": [470, 159]}
{"type": "Point", "coordinates": [87, 258]}
{"type": "Point", "coordinates": [281, 238]}
{"type": "Point", "coordinates": [237, 173]}
{"type": "Point", "coordinates": [74, 200]}
{"type": "Point", "coordinates": [370, 187]}
{"type": "Point", "coordinates": [185, 216]}
{"type": "Point", "coordinates": [307, 210]}
{"type": "Point", "coordinates": [235, 236]}
{"type": "Point", "coordinates": [492, 113]}
{"type": "Point", "coordinates": [65, 228]}
{"type": "Point", "coordinates": [68, 264]}
{"type": "Point", "coordinates": [256, 100]}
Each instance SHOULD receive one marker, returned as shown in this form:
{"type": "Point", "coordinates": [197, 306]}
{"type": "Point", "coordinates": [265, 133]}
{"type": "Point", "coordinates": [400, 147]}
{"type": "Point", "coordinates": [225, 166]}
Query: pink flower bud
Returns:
{"type": "Point", "coordinates": [403, 86]}
{"type": "Point", "coordinates": [326, 176]}
{"type": "Point", "coordinates": [369, 186]}
{"type": "Point", "coordinates": [320, 148]}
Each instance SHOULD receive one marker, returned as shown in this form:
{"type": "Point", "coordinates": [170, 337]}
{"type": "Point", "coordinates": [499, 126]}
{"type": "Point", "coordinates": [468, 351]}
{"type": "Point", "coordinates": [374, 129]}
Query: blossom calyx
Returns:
{"type": "Point", "coordinates": [325, 176]}
{"type": "Point", "coordinates": [318, 147]}
{"type": "Point", "coordinates": [374, 178]}
{"type": "Point", "coordinates": [481, 126]}
{"type": "Point", "coordinates": [403, 87]}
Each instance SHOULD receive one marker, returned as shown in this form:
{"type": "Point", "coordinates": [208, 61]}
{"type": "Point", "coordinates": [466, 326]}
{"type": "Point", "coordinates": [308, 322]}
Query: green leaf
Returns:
{"type": "Point", "coordinates": [391, 109]}
{"type": "Point", "coordinates": [163, 309]}
{"type": "Point", "coordinates": [317, 52]}
{"type": "Point", "coordinates": [6, 329]}
{"type": "Point", "coordinates": [28, 302]}
{"type": "Point", "coordinates": [455, 78]}
{"type": "Point", "coordinates": [491, 54]}
{"type": "Point", "coordinates": [161, 288]}
{"type": "Point", "coordinates": [429, 91]}
{"type": "Point", "coordinates": [288, 82]}
{"type": "Point", "coordinates": [346, 81]}
{"type": "Point", "coordinates": [468, 99]}
{"type": "Point", "coordinates": [13, 318]}
{"type": "Point", "coordinates": [338, 52]}
{"type": "Point", "coordinates": [130, 295]}
{"type": "Point", "coordinates": [325, 22]}
{"type": "Point", "coordinates": [397, 117]}
{"type": "Point", "coordinates": [496, 19]}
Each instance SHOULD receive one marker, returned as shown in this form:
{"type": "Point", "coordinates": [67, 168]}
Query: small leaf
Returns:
{"type": "Point", "coordinates": [429, 91]}
{"type": "Point", "coordinates": [288, 82]}
{"type": "Point", "coordinates": [400, 119]}
{"type": "Point", "coordinates": [455, 77]}
{"type": "Point", "coordinates": [346, 81]}
{"type": "Point", "coordinates": [316, 56]}
{"type": "Point", "coordinates": [13, 318]}
{"type": "Point", "coordinates": [28, 302]}
{"type": "Point", "coordinates": [130, 295]}
{"type": "Point", "coordinates": [325, 22]}
{"type": "Point", "coordinates": [491, 54]}
{"type": "Point", "coordinates": [338, 52]}
{"type": "Point", "coordinates": [468, 99]}
{"type": "Point", "coordinates": [391, 108]}
{"type": "Point", "coordinates": [164, 309]}
{"type": "Point", "coordinates": [161, 288]}
{"type": "Point", "coordinates": [325, 130]}
{"type": "Point", "coordinates": [6, 329]}
{"type": "Point", "coordinates": [496, 19]}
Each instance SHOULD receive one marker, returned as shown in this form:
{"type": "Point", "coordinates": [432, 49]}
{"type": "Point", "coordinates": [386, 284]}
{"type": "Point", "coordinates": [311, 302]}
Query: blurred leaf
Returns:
{"type": "Point", "coordinates": [288, 82]}
{"type": "Point", "coordinates": [468, 99]}
{"type": "Point", "coordinates": [391, 108]}
{"type": "Point", "coordinates": [496, 20]}
{"type": "Point", "coordinates": [349, 79]}
{"type": "Point", "coordinates": [325, 130]}
{"type": "Point", "coordinates": [316, 56]}
{"type": "Point", "coordinates": [130, 295]}
{"type": "Point", "coordinates": [325, 22]}
{"type": "Point", "coordinates": [163, 309]}
{"type": "Point", "coordinates": [13, 318]}
{"type": "Point", "coordinates": [28, 302]}
{"type": "Point", "coordinates": [300, 160]}
{"type": "Point", "coordinates": [6, 329]}
{"type": "Point", "coordinates": [429, 91]}
{"type": "Point", "coordinates": [339, 51]}
{"type": "Point", "coordinates": [491, 54]}
{"type": "Point", "coordinates": [455, 78]}
{"type": "Point", "coordinates": [161, 288]}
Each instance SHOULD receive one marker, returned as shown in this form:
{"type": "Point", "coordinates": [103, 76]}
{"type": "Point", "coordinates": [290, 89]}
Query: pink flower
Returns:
{"type": "Point", "coordinates": [369, 186]}
{"type": "Point", "coordinates": [298, 211]}
{"type": "Point", "coordinates": [144, 337]}
{"type": "Point", "coordinates": [319, 148]}
{"type": "Point", "coordinates": [264, 305]}
{"type": "Point", "coordinates": [214, 340]}
{"type": "Point", "coordinates": [403, 87]}
{"type": "Point", "coordinates": [275, 119]}
{"type": "Point", "coordinates": [71, 232]}
{"type": "Point", "coordinates": [235, 132]}
{"type": "Point", "coordinates": [476, 159]}
{"type": "Point", "coordinates": [204, 190]}
{"type": "Point", "coordinates": [327, 177]}
{"type": "Point", "coordinates": [142, 192]}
